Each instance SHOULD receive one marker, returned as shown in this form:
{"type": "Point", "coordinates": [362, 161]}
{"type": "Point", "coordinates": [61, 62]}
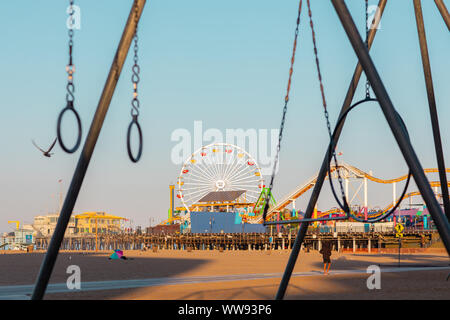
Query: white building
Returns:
{"type": "Point", "coordinates": [45, 225]}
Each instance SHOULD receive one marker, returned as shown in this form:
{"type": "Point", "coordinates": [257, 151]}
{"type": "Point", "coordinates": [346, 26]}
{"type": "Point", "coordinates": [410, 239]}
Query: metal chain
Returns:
{"type": "Point", "coordinates": [70, 96]}
{"type": "Point", "coordinates": [324, 103]}
{"type": "Point", "coordinates": [367, 45]}
{"type": "Point", "coordinates": [70, 68]}
{"type": "Point", "coordinates": [283, 119]}
{"type": "Point", "coordinates": [135, 102]}
{"type": "Point", "coordinates": [136, 70]}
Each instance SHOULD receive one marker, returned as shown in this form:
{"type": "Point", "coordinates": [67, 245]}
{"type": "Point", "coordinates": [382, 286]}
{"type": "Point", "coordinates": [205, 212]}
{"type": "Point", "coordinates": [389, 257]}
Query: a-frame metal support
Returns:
{"type": "Point", "coordinates": [394, 122]}
{"type": "Point", "coordinates": [88, 148]}
{"type": "Point", "coordinates": [432, 106]}
{"type": "Point", "coordinates": [397, 129]}
{"type": "Point", "coordinates": [444, 12]}
{"type": "Point", "coordinates": [324, 168]}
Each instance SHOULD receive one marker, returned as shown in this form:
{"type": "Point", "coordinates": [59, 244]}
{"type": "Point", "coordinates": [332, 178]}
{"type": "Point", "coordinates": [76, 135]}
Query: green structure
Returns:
{"type": "Point", "coordinates": [261, 202]}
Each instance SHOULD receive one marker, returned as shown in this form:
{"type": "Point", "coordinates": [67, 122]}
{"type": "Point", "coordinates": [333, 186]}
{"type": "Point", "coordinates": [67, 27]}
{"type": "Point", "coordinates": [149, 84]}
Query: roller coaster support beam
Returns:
{"type": "Point", "coordinates": [324, 168]}
{"type": "Point", "coordinates": [432, 105]}
{"type": "Point", "coordinates": [88, 148]}
{"type": "Point", "coordinates": [444, 12]}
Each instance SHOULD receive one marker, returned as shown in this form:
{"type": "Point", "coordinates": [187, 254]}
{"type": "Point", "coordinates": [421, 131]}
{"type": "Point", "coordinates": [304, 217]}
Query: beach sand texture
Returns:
{"type": "Point", "coordinates": [22, 269]}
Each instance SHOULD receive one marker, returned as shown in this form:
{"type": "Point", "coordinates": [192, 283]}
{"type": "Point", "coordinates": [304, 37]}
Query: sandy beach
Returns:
{"type": "Point", "coordinates": [346, 281]}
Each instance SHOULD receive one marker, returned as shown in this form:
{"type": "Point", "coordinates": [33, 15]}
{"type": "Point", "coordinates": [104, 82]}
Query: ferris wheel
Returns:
{"type": "Point", "coordinates": [219, 167]}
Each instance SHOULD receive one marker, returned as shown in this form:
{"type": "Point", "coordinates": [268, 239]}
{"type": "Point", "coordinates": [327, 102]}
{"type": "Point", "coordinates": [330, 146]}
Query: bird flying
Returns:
{"type": "Point", "coordinates": [46, 153]}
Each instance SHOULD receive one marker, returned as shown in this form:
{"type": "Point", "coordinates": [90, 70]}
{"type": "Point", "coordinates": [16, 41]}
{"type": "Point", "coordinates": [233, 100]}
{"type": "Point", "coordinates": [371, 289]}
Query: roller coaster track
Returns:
{"type": "Point", "coordinates": [408, 195]}
{"type": "Point", "coordinates": [301, 189]}
{"type": "Point", "coordinates": [169, 221]}
{"type": "Point", "coordinates": [386, 209]}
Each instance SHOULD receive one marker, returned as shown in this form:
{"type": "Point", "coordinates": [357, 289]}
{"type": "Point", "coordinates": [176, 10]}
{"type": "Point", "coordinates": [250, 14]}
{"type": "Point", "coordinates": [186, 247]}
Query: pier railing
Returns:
{"type": "Point", "coordinates": [241, 241]}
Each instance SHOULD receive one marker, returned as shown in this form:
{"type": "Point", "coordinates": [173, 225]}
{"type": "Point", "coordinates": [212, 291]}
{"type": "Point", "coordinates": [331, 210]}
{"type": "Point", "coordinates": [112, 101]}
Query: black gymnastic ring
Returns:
{"type": "Point", "coordinates": [130, 154]}
{"type": "Point", "coordinates": [69, 107]}
{"type": "Point", "coordinates": [344, 206]}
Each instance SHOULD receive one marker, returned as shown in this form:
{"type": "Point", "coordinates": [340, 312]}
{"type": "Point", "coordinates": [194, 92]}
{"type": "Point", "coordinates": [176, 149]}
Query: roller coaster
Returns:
{"type": "Point", "coordinates": [376, 213]}
{"type": "Point", "coordinates": [347, 172]}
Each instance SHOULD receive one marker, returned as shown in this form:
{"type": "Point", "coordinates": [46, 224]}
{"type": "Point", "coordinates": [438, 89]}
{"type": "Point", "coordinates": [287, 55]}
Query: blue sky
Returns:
{"type": "Point", "coordinates": [222, 62]}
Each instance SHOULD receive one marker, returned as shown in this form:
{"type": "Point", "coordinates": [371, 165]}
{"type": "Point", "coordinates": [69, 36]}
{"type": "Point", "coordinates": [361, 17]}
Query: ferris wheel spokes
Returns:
{"type": "Point", "coordinates": [218, 167]}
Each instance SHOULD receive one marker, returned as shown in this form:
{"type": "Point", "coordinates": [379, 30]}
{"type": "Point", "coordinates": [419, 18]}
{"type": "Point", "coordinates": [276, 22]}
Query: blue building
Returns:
{"type": "Point", "coordinates": [222, 222]}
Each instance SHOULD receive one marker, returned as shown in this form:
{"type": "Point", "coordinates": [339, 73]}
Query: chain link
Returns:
{"type": "Point", "coordinates": [285, 109]}
{"type": "Point", "coordinates": [324, 102]}
{"type": "Point", "coordinates": [70, 68]}
{"type": "Point", "coordinates": [136, 70]}
{"type": "Point", "coordinates": [70, 87]}
{"type": "Point", "coordinates": [135, 104]}
{"type": "Point", "coordinates": [283, 119]}
{"type": "Point", "coordinates": [367, 45]}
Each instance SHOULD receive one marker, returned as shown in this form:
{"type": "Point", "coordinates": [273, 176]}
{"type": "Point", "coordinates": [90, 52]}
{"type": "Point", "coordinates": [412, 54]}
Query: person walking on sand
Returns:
{"type": "Point", "coordinates": [326, 254]}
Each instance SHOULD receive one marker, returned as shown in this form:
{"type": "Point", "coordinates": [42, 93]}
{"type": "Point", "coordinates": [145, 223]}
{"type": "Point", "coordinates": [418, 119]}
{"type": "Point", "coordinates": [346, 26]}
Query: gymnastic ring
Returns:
{"type": "Point", "coordinates": [134, 121]}
{"type": "Point", "coordinates": [69, 107]}
{"type": "Point", "coordinates": [344, 206]}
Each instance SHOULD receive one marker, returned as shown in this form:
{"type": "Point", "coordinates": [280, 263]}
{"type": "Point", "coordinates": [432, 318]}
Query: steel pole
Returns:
{"type": "Point", "coordinates": [85, 156]}
{"type": "Point", "coordinates": [432, 105]}
{"type": "Point", "coordinates": [324, 169]}
{"type": "Point", "coordinates": [394, 122]}
{"type": "Point", "coordinates": [444, 12]}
